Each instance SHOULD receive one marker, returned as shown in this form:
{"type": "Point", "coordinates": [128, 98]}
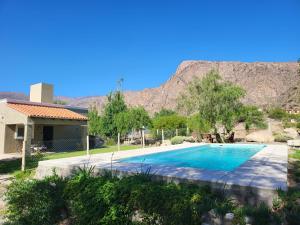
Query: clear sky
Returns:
{"type": "Point", "coordinates": [84, 47]}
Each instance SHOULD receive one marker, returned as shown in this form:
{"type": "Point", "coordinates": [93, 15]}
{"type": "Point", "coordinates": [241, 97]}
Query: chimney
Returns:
{"type": "Point", "coordinates": [41, 93]}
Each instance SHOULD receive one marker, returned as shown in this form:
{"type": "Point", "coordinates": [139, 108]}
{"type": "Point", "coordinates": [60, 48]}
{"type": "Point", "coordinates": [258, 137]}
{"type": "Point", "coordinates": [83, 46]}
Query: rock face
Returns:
{"type": "Point", "coordinates": [266, 84]}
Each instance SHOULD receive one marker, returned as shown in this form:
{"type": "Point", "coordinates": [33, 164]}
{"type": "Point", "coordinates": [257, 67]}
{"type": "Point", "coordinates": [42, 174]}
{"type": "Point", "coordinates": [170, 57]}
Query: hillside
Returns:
{"type": "Point", "coordinates": [265, 83]}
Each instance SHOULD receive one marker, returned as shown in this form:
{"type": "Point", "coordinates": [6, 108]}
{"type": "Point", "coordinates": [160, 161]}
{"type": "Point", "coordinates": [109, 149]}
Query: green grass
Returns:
{"type": "Point", "coordinates": [13, 166]}
{"type": "Point", "coordinates": [296, 154]}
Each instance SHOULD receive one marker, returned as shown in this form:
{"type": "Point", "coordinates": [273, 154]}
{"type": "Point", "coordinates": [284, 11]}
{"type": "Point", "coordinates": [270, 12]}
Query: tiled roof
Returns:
{"type": "Point", "coordinates": [46, 112]}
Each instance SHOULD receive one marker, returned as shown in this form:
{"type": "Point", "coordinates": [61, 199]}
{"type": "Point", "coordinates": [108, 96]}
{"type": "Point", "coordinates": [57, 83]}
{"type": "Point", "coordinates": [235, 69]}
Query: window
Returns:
{"type": "Point", "coordinates": [19, 132]}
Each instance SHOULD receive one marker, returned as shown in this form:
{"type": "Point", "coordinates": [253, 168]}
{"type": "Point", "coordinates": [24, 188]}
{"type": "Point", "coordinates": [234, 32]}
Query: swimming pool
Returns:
{"type": "Point", "coordinates": [224, 157]}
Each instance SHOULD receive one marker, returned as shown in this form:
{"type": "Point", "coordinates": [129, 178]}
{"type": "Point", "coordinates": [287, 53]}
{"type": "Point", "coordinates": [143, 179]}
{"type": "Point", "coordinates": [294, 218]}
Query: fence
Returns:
{"type": "Point", "coordinates": [169, 133]}
{"type": "Point", "coordinates": [59, 145]}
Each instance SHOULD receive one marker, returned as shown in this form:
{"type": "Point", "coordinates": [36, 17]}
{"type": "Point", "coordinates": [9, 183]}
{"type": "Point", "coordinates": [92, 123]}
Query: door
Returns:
{"type": "Point", "coordinates": [48, 136]}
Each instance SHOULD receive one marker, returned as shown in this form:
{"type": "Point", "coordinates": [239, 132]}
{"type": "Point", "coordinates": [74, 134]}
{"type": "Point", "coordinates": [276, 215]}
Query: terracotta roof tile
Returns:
{"type": "Point", "coordinates": [46, 112]}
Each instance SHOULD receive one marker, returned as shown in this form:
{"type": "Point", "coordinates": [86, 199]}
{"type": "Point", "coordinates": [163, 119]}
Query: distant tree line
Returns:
{"type": "Point", "coordinates": [207, 105]}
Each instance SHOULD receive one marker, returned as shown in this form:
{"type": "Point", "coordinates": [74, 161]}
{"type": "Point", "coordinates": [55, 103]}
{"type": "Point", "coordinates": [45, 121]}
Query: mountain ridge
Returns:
{"type": "Point", "coordinates": [266, 83]}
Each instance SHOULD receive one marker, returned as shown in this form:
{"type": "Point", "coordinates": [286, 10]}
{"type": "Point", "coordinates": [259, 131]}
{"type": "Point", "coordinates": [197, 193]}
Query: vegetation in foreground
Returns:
{"type": "Point", "coordinates": [136, 200]}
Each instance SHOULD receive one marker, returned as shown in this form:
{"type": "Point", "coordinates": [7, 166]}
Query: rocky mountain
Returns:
{"type": "Point", "coordinates": [266, 83]}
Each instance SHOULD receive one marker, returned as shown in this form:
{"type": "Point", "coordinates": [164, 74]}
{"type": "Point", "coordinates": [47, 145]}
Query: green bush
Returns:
{"type": "Point", "coordinates": [177, 140]}
{"type": "Point", "coordinates": [281, 138]}
{"type": "Point", "coordinates": [277, 113]}
{"type": "Point", "coordinates": [36, 202]}
{"type": "Point", "coordinates": [107, 200]}
{"type": "Point", "coordinates": [110, 142]}
{"type": "Point", "coordinates": [298, 125]}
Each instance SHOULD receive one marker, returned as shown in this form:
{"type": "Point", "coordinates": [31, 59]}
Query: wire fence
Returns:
{"type": "Point", "coordinates": [59, 145]}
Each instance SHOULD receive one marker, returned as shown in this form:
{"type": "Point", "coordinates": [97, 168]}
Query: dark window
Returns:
{"type": "Point", "coordinates": [20, 132]}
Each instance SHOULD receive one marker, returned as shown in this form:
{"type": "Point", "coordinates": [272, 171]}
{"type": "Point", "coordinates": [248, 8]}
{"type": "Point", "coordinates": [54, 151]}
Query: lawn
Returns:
{"type": "Point", "coordinates": [13, 166]}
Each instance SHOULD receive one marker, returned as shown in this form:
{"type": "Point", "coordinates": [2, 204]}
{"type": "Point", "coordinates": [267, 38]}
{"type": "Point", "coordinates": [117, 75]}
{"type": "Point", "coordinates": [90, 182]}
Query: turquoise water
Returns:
{"type": "Point", "coordinates": [225, 157]}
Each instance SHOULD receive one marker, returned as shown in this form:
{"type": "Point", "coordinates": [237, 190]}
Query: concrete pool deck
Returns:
{"type": "Point", "coordinates": [261, 175]}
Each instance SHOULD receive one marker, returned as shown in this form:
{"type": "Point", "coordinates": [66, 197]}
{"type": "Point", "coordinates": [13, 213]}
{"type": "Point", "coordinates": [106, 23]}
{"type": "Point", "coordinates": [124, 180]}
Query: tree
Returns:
{"type": "Point", "coordinates": [171, 122]}
{"type": "Point", "coordinates": [216, 101]}
{"type": "Point", "coordinates": [164, 112]}
{"type": "Point", "coordinates": [132, 119]}
{"type": "Point", "coordinates": [252, 116]}
{"type": "Point", "coordinates": [114, 106]}
{"type": "Point", "coordinates": [198, 124]}
{"type": "Point", "coordinates": [139, 118]}
{"type": "Point", "coordinates": [94, 123]}
{"type": "Point", "coordinates": [123, 123]}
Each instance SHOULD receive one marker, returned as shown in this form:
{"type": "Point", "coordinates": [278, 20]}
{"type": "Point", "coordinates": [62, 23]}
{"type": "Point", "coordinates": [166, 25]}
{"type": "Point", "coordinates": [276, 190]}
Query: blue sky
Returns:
{"type": "Point", "coordinates": [84, 47]}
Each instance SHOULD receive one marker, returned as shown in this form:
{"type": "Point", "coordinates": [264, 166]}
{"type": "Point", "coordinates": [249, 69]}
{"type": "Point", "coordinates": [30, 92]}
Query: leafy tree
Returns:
{"type": "Point", "coordinates": [114, 106]}
{"type": "Point", "coordinates": [123, 122]}
{"type": "Point", "coordinates": [216, 101]}
{"type": "Point", "coordinates": [196, 123]}
{"type": "Point", "coordinates": [95, 122]}
{"type": "Point", "coordinates": [139, 118]}
{"type": "Point", "coordinates": [171, 122]}
{"type": "Point", "coordinates": [252, 116]}
{"type": "Point", "coordinates": [164, 112]}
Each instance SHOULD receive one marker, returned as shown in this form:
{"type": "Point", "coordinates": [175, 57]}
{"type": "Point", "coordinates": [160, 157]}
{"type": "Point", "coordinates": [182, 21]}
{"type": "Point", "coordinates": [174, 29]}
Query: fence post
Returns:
{"type": "Point", "coordinates": [118, 141]}
{"type": "Point", "coordinates": [88, 145]}
{"type": "Point", "coordinates": [162, 136]}
{"type": "Point", "coordinates": [176, 132]}
{"type": "Point", "coordinates": [143, 136]}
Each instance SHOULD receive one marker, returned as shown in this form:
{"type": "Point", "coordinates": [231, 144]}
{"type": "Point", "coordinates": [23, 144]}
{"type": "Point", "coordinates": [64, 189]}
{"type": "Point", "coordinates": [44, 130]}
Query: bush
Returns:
{"type": "Point", "coordinates": [107, 200]}
{"type": "Point", "coordinates": [110, 142]}
{"type": "Point", "coordinates": [36, 202]}
{"type": "Point", "coordinates": [298, 125]}
{"type": "Point", "coordinates": [277, 113]}
{"type": "Point", "coordinates": [177, 140]}
{"type": "Point", "coordinates": [281, 138]}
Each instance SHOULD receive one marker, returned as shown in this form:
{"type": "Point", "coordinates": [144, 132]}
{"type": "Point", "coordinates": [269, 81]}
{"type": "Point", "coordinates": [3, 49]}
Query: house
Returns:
{"type": "Point", "coordinates": [40, 124]}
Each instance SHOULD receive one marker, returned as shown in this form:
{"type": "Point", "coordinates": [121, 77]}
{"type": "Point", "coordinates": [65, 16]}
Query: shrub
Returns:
{"type": "Point", "coordinates": [110, 142]}
{"type": "Point", "coordinates": [107, 200]}
{"type": "Point", "coordinates": [35, 202]}
{"type": "Point", "coordinates": [298, 125]}
{"type": "Point", "coordinates": [277, 113]}
{"type": "Point", "coordinates": [177, 140]}
{"type": "Point", "coordinates": [281, 138]}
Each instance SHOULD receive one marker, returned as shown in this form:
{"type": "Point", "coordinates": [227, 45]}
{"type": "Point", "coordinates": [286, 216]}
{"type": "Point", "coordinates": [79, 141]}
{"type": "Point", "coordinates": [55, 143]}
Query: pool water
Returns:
{"type": "Point", "coordinates": [224, 157]}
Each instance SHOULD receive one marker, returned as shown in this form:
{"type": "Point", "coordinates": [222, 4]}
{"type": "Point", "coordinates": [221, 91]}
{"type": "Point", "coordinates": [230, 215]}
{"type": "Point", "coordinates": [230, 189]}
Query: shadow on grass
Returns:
{"type": "Point", "coordinates": [14, 165]}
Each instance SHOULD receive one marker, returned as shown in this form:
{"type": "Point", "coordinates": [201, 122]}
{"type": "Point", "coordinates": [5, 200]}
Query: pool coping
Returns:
{"type": "Point", "coordinates": [267, 169]}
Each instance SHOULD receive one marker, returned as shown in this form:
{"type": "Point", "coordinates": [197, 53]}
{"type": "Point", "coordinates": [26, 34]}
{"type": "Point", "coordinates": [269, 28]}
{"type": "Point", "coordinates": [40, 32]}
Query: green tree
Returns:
{"type": "Point", "coordinates": [198, 124]}
{"type": "Point", "coordinates": [95, 122]}
{"type": "Point", "coordinates": [164, 112]}
{"type": "Point", "coordinates": [114, 106]}
{"type": "Point", "coordinates": [252, 116]}
{"type": "Point", "coordinates": [139, 118]}
{"type": "Point", "coordinates": [123, 123]}
{"type": "Point", "coordinates": [216, 101]}
{"type": "Point", "coordinates": [170, 122]}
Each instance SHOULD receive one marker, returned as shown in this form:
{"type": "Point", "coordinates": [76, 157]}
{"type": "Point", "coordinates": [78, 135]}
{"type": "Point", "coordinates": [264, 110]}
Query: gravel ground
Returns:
{"type": "Point", "coordinates": [5, 180]}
